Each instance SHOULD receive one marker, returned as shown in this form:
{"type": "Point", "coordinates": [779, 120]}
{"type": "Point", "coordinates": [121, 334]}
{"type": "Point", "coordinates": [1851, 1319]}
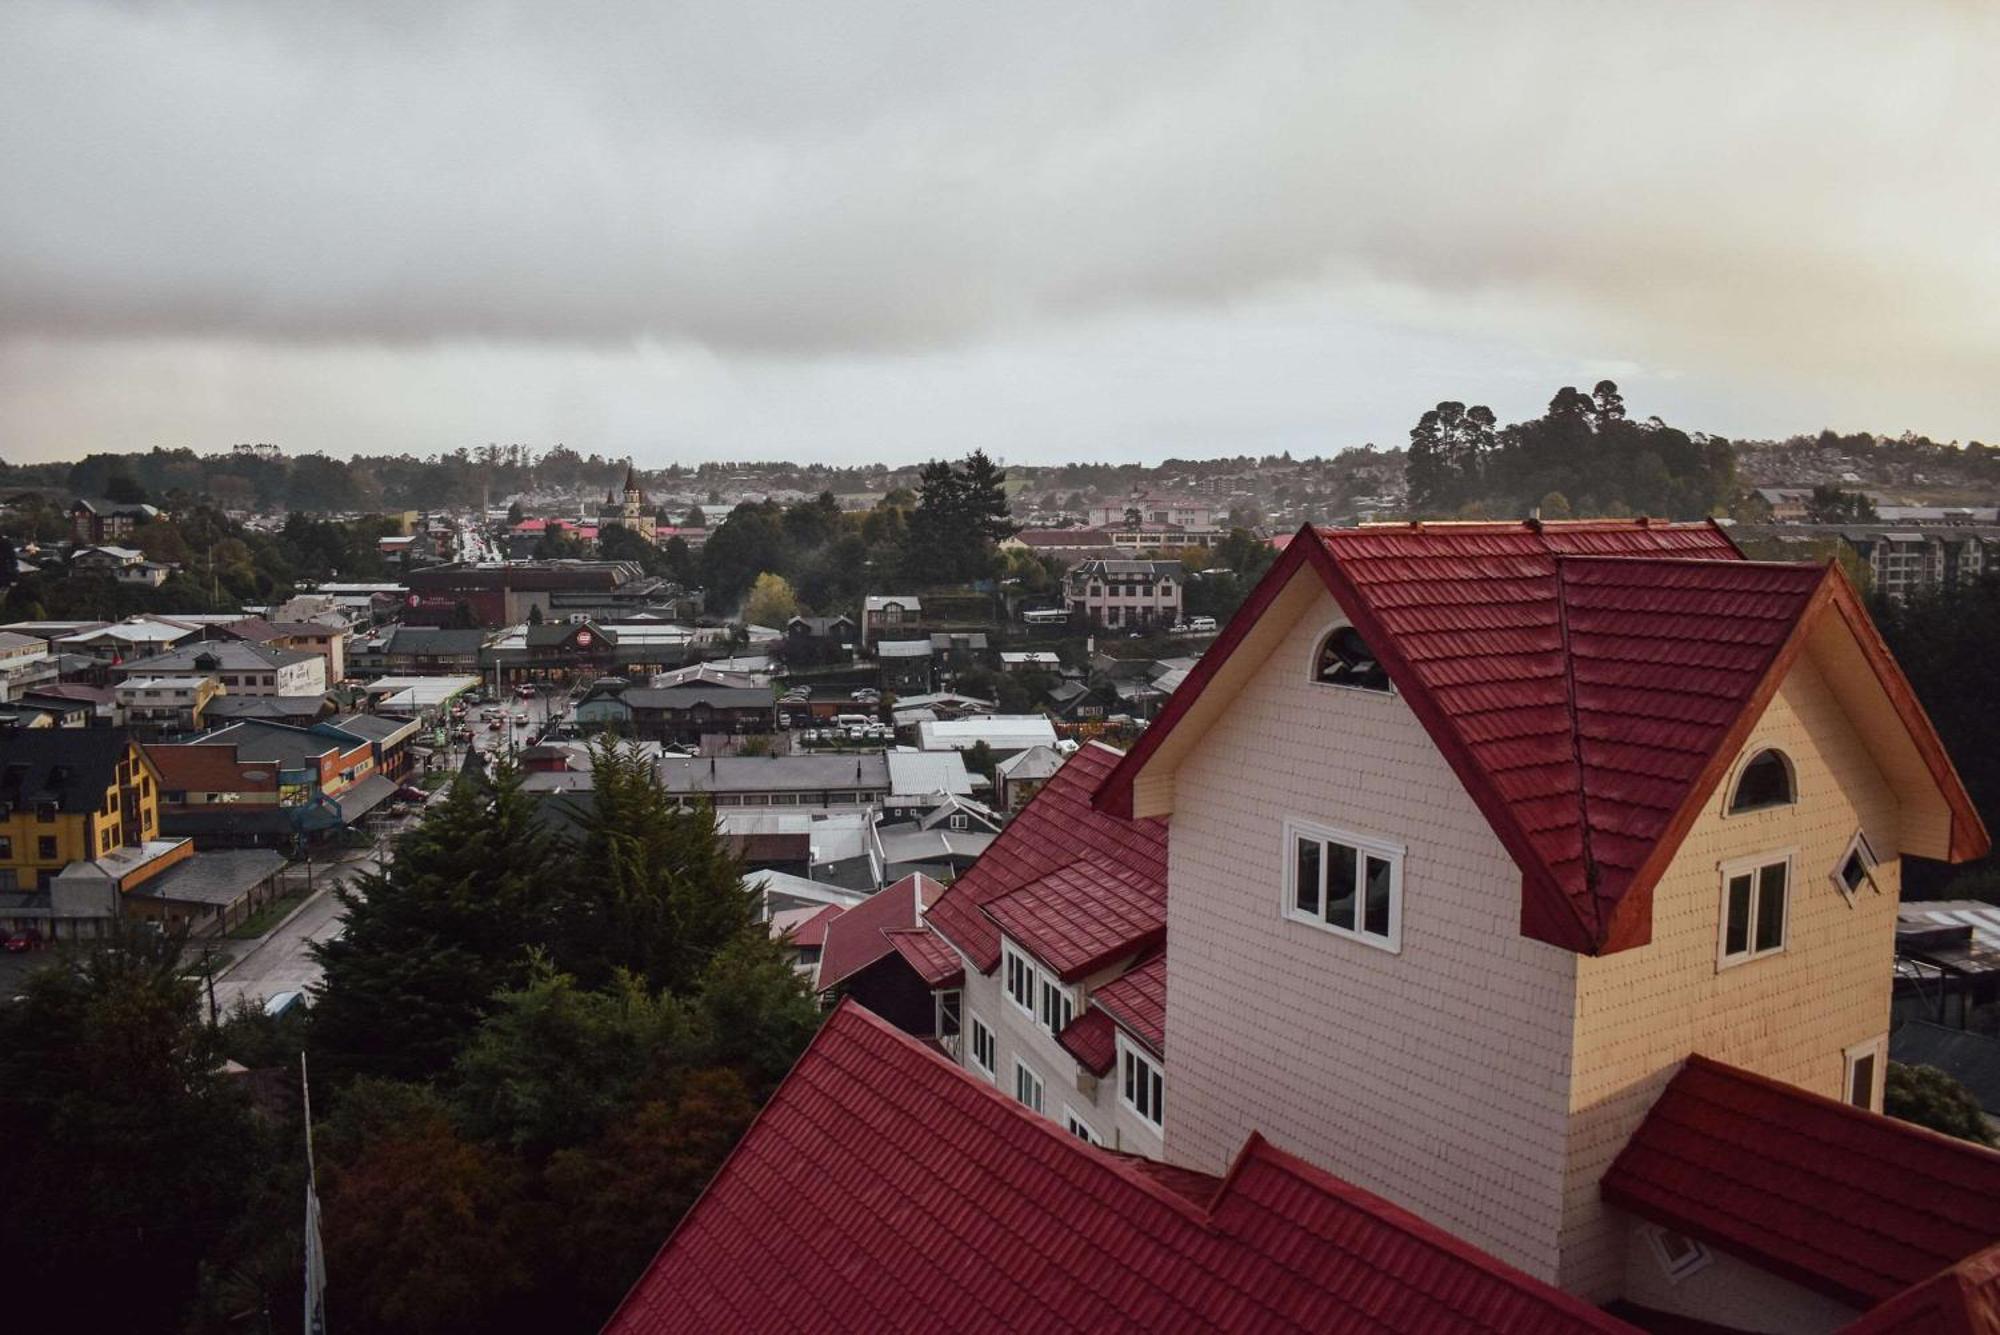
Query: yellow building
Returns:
{"type": "Point", "coordinates": [69, 795]}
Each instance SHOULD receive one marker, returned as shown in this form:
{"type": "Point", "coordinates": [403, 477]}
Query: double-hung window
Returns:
{"type": "Point", "coordinates": [1348, 884]}
{"type": "Point", "coordinates": [1057, 1008]}
{"type": "Point", "coordinates": [985, 1052]}
{"type": "Point", "coordinates": [1020, 980]}
{"type": "Point", "coordinates": [1142, 1085]}
{"type": "Point", "coordinates": [1027, 1085]}
{"type": "Point", "coordinates": [1756, 902]}
{"type": "Point", "coordinates": [1079, 1128]}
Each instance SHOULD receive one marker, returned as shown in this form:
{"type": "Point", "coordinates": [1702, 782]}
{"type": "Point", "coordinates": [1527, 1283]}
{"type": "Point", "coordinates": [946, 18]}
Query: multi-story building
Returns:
{"type": "Point", "coordinates": [241, 667]}
{"type": "Point", "coordinates": [269, 783]}
{"type": "Point", "coordinates": [156, 705]}
{"type": "Point", "coordinates": [1141, 511]}
{"type": "Point", "coordinates": [68, 796]}
{"type": "Point", "coordinates": [889, 616]}
{"type": "Point", "coordinates": [630, 511]}
{"type": "Point", "coordinates": [95, 521]}
{"type": "Point", "coordinates": [1121, 594]}
{"type": "Point", "coordinates": [829, 782]}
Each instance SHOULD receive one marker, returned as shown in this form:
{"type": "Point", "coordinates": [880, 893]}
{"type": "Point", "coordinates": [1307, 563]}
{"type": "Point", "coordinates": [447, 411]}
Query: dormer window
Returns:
{"type": "Point", "coordinates": [1766, 782]}
{"type": "Point", "coordinates": [1344, 659]}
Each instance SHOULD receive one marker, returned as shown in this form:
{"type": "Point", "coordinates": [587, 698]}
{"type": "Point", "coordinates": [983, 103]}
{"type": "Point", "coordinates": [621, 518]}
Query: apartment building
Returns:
{"type": "Point", "coordinates": [155, 705]}
{"type": "Point", "coordinates": [68, 796]}
{"type": "Point", "coordinates": [1127, 594]}
{"type": "Point", "coordinates": [243, 668]}
{"type": "Point", "coordinates": [1141, 511]}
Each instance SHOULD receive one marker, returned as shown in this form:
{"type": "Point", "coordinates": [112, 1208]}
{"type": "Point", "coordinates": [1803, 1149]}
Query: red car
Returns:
{"type": "Point", "coordinates": [28, 938]}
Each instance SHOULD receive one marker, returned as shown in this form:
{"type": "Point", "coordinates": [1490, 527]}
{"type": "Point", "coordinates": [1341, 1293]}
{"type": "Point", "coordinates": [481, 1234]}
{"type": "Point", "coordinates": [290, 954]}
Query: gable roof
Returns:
{"type": "Point", "coordinates": [1060, 834]}
{"type": "Point", "coordinates": [1588, 683]}
{"type": "Point", "coordinates": [1136, 1003]}
{"type": "Point", "coordinates": [951, 1207]}
{"type": "Point", "coordinates": [1850, 1203]}
{"type": "Point", "coordinates": [858, 937]}
{"type": "Point", "coordinates": [928, 956]}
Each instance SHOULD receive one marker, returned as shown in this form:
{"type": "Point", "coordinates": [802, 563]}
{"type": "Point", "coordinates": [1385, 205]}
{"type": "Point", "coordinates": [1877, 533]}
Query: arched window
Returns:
{"type": "Point", "coordinates": [1765, 782]}
{"type": "Point", "coordinates": [1344, 659]}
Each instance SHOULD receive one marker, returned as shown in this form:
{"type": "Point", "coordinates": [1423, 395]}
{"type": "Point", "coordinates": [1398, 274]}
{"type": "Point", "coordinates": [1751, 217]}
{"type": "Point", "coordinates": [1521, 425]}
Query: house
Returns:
{"type": "Point", "coordinates": [922, 781]}
{"type": "Point", "coordinates": [684, 715]}
{"type": "Point", "coordinates": [1030, 661]}
{"type": "Point", "coordinates": [1022, 775]}
{"type": "Point", "coordinates": [890, 615]}
{"type": "Point", "coordinates": [425, 651]}
{"type": "Point", "coordinates": [96, 522]}
{"type": "Point", "coordinates": [156, 705]}
{"type": "Point", "coordinates": [123, 641]}
{"type": "Point", "coordinates": [1563, 806]}
{"type": "Point", "coordinates": [1079, 701]}
{"type": "Point", "coordinates": [106, 560]}
{"type": "Point", "coordinates": [879, 953]}
{"type": "Point", "coordinates": [326, 639]}
{"type": "Point", "coordinates": [1004, 734]}
{"type": "Point", "coordinates": [942, 842]}
{"type": "Point", "coordinates": [1119, 594]}
{"type": "Point", "coordinates": [959, 1209]}
{"type": "Point", "coordinates": [906, 666]}
{"type": "Point", "coordinates": [242, 668]}
{"type": "Point", "coordinates": [839, 631]}
{"type": "Point", "coordinates": [803, 930]}
{"type": "Point", "coordinates": [165, 881]}
{"type": "Point", "coordinates": [71, 796]}
{"type": "Point", "coordinates": [822, 782]}
{"type": "Point", "coordinates": [389, 737]}
{"type": "Point", "coordinates": [259, 784]}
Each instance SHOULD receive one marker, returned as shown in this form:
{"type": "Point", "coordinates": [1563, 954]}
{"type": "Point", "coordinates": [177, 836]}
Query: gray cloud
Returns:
{"type": "Point", "coordinates": [1799, 193]}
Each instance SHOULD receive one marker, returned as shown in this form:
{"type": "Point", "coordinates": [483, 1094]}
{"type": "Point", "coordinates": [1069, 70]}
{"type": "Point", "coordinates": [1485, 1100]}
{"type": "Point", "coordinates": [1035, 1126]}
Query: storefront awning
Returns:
{"type": "Point", "coordinates": [364, 797]}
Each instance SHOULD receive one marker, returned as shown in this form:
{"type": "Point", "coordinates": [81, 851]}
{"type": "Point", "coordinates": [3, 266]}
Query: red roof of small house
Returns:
{"type": "Point", "coordinates": [928, 955]}
{"type": "Point", "coordinates": [811, 931]}
{"type": "Point", "coordinates": [1963, 1300]}
{"type": "Point", "coordinates": [858, 937]}
{"type": "Point", "coordinates": [1110, 897]}
{"type": "Point", "coordinates": [1588, 682]}
{"type": "Point", "coordinates": [885, 1188]}
{"type": "Point", "coordinates": [534, 525]}
{"type": "Point", "coordinates": [1850, 1203]}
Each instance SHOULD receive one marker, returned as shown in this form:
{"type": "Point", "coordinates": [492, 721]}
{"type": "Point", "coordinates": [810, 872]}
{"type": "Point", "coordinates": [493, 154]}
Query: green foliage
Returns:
{"type": "Point", "coordinates": [1584, 448]}
{"type": "Point", "coordinates": [979, 759]}
{"type": "Point", "coordinates": [129, 1154]}
{"type": "Point", "coordinates": [1831, 505]}
{"type": "Point", "coordinates": [1929, 1097]}
{"type": "Point", "coordinates": [615, 542]}
{"type": "Point", "coordinates": [961, 515]}
{"type": "Point", "coordinates": [771, 602]}
{"type": "Point", "coordinates": [430, 938]}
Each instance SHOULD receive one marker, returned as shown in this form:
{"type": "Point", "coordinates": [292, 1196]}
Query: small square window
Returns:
{"type": "Point", "coordinates": [1079, 1128]}
{"type": "Point", "coordinates": [1755, 907]}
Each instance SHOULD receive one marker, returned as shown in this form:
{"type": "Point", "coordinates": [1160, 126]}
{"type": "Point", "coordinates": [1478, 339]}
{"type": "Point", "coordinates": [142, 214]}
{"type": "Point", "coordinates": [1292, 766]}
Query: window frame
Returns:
{"type": "Point", "coordinates": [1364, 846]}
{"type": "Point", "coordinates": [1871, 1050]}
{"type": "Point", "coordinates": [1072, 1120]}
{"type": "Point", "coordinates": [1053, 995]}
{"type": "Point", "coordinates": [1869, 862]}
{"type": "Point", "coordinates": [1696, 1258]}
{"type": "Point", "coordinates": [1130, 1054]}
{"type": "Point", "coordinates": [978, 1028]}
{"type": "Point", "coordinates": [1013, 959]}
{"type": "Point", "coordinates": [1041, 1086]}
{"type": "Point", "coordinates": [1751, 866]}
{"type": "Point", "coordinates": [1751, 755]}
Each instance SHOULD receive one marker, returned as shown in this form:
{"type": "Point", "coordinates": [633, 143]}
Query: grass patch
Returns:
{"type": "Point", "coordinates": [433, 781]}
{"type": "Point", "coordinates": [267, 917]}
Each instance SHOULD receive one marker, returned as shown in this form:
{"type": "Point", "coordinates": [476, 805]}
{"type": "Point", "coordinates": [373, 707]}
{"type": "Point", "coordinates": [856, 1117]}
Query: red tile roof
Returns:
{"type": "Point", "coordinates": [928, 955]}
{"type": "Point", "coordinates": [1135, 1002]}
{"type": "Point", "coordinates": [1850, 1203]}
{"type": "Point", "coordinates": [884, 1188]}
{"type": "Point", "coordinates": [1964, 1300]}
{"type": "Point", "coordinates": [1112, 869]}
{"type": "Point", "coordinates": [1587, 682]}
{"type": "Point", "coordinates": [858, 937]}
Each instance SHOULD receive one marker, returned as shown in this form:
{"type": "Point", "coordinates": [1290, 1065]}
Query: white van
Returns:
{"type": "Point", "coordinates": [1201, 623]}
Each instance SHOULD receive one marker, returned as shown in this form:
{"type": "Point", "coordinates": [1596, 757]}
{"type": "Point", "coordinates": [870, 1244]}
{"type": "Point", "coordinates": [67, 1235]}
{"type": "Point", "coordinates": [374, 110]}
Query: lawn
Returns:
{"type": "Point", "coordinates": [267, 917]}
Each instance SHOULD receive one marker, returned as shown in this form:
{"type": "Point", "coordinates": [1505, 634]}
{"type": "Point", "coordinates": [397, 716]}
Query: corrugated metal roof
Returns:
{"type": "Point", "coordinates": [1850, 1203]}
{"type": "Point", "coordinates": [884, 1188]}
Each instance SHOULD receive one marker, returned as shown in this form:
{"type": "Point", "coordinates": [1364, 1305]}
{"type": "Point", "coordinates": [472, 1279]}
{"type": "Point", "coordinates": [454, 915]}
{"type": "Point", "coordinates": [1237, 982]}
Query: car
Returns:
{"type": "Point", "coordinates": [28, 938]}
{"type": "Point", "coordinates": [1201, 623]}
{"type": "Point", "coordinates": [494, 726]}
{"type": "Point", "coordinates": [524, 692]}
{"type": "Point", "coordinates": [280, 1004]}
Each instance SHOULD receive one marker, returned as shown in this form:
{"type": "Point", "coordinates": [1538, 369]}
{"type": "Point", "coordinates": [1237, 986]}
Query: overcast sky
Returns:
{"type": "Point", "coordinates": [1059, 231]}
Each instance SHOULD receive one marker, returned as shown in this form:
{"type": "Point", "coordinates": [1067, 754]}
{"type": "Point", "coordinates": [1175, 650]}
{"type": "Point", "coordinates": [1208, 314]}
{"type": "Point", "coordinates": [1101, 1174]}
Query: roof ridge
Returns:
{"type": "Point", "coordinates": [1593, 874]}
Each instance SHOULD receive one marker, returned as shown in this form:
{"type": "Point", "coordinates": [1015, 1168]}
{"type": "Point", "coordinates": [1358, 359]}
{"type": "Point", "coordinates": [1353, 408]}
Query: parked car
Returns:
{"type": "Point", "coordinates": [1201, 623]}
{"type": "Point", "coordinates": [524, 692]}
{"type": "Point", "coordinates": [28, 938]}
{"type": "Point", "coordinates": [282, 1003]}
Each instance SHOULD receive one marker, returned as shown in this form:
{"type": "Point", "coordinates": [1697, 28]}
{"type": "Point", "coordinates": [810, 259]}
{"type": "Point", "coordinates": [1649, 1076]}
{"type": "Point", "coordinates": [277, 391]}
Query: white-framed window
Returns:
{"type": "Point", "coordinates": [1766, 781]}
{"type": "Point", "coordinates": [1058, 1008]}
{"type": "Point", "coordinates": [1856, 867]}
{"type": "Point", "coordinates": [1678, 1254]}
{"type": "Point", "coordinates": [1345, 883]}
{"type": "Point", "coordinates": [1142, 1085]}
{"type": "Point", "coordinates": [1020, 980]}
{"type": "Point", "coordinates": [1079, 1128]}
{"type": "Point", "coordinates": [1027, 1085]}
{"type": "Point", "coordinates": [1756, 907]}
{"type": "Point", "coordinates": [950, 1004]}
{"type": "Point", "coordinates": [1861, 1073]}
{"type": "Point", "coordinates": [985, 1052]}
